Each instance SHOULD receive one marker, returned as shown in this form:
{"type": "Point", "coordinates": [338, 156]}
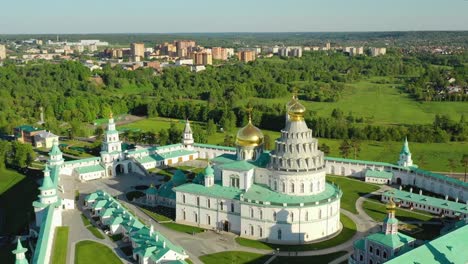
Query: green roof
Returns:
{"type": "Point", "coordinates": [166, 190]}
{"type": "Point", "coordinates": [176, 153]}
{"type": "Point", "coordinates": [55, 149]}
{"type": "Point", "coordinates": [179, 178]}
{"type": "Point", "coordinates": [449, 248]}
{"type": "Point", "coordinates": [264, 194]}
{"type": "Point", "coordinates": [241, 165]}
{"type": "Point", "coordinates": [168, 146]}
{"type": "Point", "coordinates": [393, 241]}
{"type": "Point", "coordinates": [19, 248]}
{"type": "Point", "coordinates": [27, 128]}
{"type": "Point", "coordinates": [150, 158]}
{"type": "Point", "coordinates": [89, 169]}
{"type": "Point", "coordinates": [224, 159]}
{"type": "Point", "coordinates": [405, 149]}
{"type": "Point", "coordinates": [47, 184]}
{"type": "Point", "coordinates": [360, 244]}
{"type": "Point", "coordinates": [400, 195]}
{"type": "Point", "coordinates": [210, 146]}
{"type": "Point", "coordinates": [216, 191]}
{"type": "Point", "coordinates": [209, 170]}
{"type": "Point", "coordinates": [83, 160]}
{"type": "Point", "coordinates": [151, 190]}
{"type": "Point", "coordinates": [379, 174]}
{"type": "Point", "coordinates": [44, 236]}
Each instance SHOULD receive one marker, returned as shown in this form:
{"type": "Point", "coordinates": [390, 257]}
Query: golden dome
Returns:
{"type": "Point", "coordinates": [391, 206]}
{"type": "Point", "coordinates": [296, 111]}
{"type": "Point", "coordinates": [249, 136]}
{"type": "Point", "coordinates": [292, 101]}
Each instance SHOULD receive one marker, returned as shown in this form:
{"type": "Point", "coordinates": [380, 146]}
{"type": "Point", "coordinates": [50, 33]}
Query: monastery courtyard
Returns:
{"type": "Point", "coordinates": [198, 243]}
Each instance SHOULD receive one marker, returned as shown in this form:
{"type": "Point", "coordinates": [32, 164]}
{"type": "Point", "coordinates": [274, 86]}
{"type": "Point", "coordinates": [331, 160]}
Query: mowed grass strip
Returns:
{"type": "Point", "coordinates": [319, 259]}
{"type": "Point", "coordinates": [60, 248]}
{"type": "Point", "coordinates": [183, 228]}
{"type": "Point", "coordinates": [378, 212]}
{"type": "Point", "coordinates": [348, 231]}
{"type": "Point", "coordinates": [156, 216]}
{"type": "Point", "coordinates": [93, 252]}
{"type": "Point", "coordinates": [235, 257]}
{"type": "Point", "coordinates": [352, 190]}
{"type": "Point", "coordinates": [95, 231]}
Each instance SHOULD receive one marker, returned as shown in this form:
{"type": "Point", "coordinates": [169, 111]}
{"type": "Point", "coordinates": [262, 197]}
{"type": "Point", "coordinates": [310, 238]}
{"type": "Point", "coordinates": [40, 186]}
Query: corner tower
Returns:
{"type": "Point", "coordinates": [405, 155]}
{"type": "Point", "coordinates": [20, 253]}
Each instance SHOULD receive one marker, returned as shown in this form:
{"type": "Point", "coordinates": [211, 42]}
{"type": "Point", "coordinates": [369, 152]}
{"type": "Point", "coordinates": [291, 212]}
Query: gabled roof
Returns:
{"type": "Point", "coordinates": [393, 241]}
{"type": "Point", "coordinates": [449, 248]}
{"type": "Point", "coordinates": [379, 174]}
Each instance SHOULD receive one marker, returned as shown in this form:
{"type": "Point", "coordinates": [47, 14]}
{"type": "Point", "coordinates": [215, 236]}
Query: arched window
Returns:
{"type": "Point", "coordinates": [208, 219]}
{"type": "Point", "coordinates": [377, 252]}
{"type": "Point", "coordinates": [251, 213]}
{"type": "Point", "coordinates": [276, 185]}
{"type": "Point", "coordinates": [318, 186]}
{"type": "Point", "coordinates": [283, 187]}
{"type": "Point", "coordinates": [208, 202]}
{"type": "Point", "coordinates": [320, 214]}
{"type": "Point", "coordinates": [260, 231]}
{"type": "Point", "coordinates": [221, 205]}
{"type": "Point", "coordinates": [384, 254]}
{"type": "Point", "coordinates": [307, 216]}
{"type": "Point", "coordinates": [183, 215]}
{"type": "Point", "coordinates": [183, 198]}
{"type": "Point", "coordinates": [292, 187]}
{"type": "Point", "coordinates": [292, 217]}
{"type": "Point", "coordinates": [198, 201]}
{"type": "Point", "coordinates": [311, 187]}
{"type": "Point", "coordinates": [251, 230]}
{"type": "Point", "coordinates": [232, 207]}
{"type": "Point", "coordinates": [196, 217]}
{"type": "Point", "coordinates": [261, 214]}
{"type": "Point", "coordinates": [302, 187]}
{"type": "Point", "coordinates": [274, 216]}
{"type": "Point", "coordinates": [279, 234]}
{"type": "Point", "coordinates": [371, 249]}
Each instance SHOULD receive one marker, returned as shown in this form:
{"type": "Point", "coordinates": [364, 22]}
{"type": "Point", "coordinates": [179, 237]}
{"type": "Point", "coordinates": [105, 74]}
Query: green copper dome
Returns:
{"type": "Point", "coordinates": [209, 171]}
{"type": "Point", "coordinates": [179, 178]}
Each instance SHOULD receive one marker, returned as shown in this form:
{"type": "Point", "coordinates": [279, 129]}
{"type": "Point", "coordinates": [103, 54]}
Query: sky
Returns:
{"type": "Point", "coordinates": [181, 16]}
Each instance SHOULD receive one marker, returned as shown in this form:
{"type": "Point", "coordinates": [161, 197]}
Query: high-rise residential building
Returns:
{"type": "Point", "coordinates": [182, 53]}
{"type": "Point", "coordinates": [202, 58]}
{"type": "Point", "coordinates": [328, 46]}
{"type": "Point", "coordinates": [295, 52]}
{"type": "Point", "coordinates": [184, 44]}
{"type": "Point", "coordinates": [2, 52]}
{"type": "Point", "coordinates": [137, 50]}
{"type": "Point", "coordinates": [354, 51]}
{"type": "Point", "coordinates": [246, 55]}
{"type": "Point", "coordinates": [378, 51]}
{"type": "Point", "coordinates": [283, 52]}
{"type": "Point", "coordinates": [219, 53]}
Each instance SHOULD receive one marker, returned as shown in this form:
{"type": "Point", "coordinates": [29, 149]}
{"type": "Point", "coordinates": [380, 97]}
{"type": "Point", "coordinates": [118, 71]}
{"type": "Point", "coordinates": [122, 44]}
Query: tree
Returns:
{"type": "Point", "coordinates": [210, 127]}
{"type": "Point", "coordinates": [99, 132]}
{"type": "Point", "coordinates": [356, 147]}
{"type": "Point", "coordinates": [345, 148]}
{"type": "Point", "coordinates": [452, 164]}
{"type": "Point", "coordinates": [229, 140]}
{"type": "Point", "coordinates": [267, 141]}
{"type": "Point", "coordinates": [464, 162]}
{"type": "Point", "coordinates": [324, 148]}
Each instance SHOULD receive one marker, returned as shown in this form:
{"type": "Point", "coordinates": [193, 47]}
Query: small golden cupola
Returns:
{"type": "Point", "coordinates": [249, 135]}
{"type": "Point", "coordinates": [296, 111]}
{"type": "Point", "coordinates": [293, 100]}
{"type": "Point", "coordinates": [391, 206]}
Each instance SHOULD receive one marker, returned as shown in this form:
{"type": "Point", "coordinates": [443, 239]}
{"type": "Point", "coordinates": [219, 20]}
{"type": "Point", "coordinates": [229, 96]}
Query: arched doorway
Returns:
{"type": "Point", "coordinates": [119, 169]}
{"type": "Point", "coordinates": [226, 226]}
{"type": "Point", "coordinates": [398, 181]}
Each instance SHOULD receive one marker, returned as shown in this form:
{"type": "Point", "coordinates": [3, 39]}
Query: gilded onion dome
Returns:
{"type": "Point", "coordinates": [292, 101]}
{"type": "Point", "coordinates": [296, 111]}
{"type": "Point", "coordinates": [249, 136]}
{"type": "Point", "coordinates": [391, 206]}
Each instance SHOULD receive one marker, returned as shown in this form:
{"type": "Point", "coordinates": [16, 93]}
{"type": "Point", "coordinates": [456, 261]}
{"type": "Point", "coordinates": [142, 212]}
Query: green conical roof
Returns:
{"type": "Point", "coordinates": [151, 190]}
{"type": "Point", "coordinates": [19, 248]}
{"type": "Point", "coordinates": [405, 149]}
{"type": "Point", "coordinates": [209, 171]}
{"type": "Point", "coordinates": [55, 149]}
{"type": "Point", "coordinates": [46, 168]}
{"type": "Point", "coordinates": [47, 183]}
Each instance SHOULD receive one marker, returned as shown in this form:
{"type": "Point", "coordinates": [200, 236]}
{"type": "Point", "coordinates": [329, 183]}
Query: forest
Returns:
{"type": "Point", "coordinates": [72, 96]}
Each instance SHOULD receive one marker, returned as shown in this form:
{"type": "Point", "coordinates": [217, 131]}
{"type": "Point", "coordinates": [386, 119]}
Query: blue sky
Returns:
{"type": "Point", "coordinates": [156, 16]}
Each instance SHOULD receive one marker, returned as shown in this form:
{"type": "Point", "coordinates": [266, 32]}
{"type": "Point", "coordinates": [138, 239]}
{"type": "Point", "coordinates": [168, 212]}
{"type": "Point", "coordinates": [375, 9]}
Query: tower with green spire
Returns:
{"type": "Point", "coordinates": [47, 196]}
{"type": "Point", "coordinates": [55, 155]}
{"type": "Point", "coordinates": [111, 149]}
{"type": "Point", "coordinates": [20, 253]}
{"type": "Point", "coordinates": [405, 155]}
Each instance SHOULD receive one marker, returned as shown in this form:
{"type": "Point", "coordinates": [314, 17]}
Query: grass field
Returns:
{"type": "Point", "coordinates": [155, 216]}
{"type": "Point", "coordinates": [352, 190]}
{"type": "Point", "coordinates": [234, 257]}
{"type": "Point", "coordinates": [349, 229]}
{"type": "Point", "coordinates": [320, 259]}
{"type": "Point", "coordinates": [59, 252]}
{"type": "Point", "coordinates": [184, 228]}
{"type": "Point", "coordinates": [92, 252]}
{"type": "Point", "coordinates": [378, 212]}
{"type": "Point", "coordinates": [430, 156]}
{"type": "Point", "coordinates": [384, 103]}
{"type": "Point", "coordinates": [9, 178]}
{"type": "Point", "coordinates": [95, 231]}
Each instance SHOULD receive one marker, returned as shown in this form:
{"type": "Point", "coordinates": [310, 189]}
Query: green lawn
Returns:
{"type": "Point", "coordinates": [352, 190]}
{"type": "Point", "coordinates": [9, 178]}
{"type": "Point", "coordinates": [378, 212]}
{"type": "Point", "coordinates": [154, 124]}
{"type": "Point", "coordinates": [156, 216]}
{"type": "Point", "coordinates": [382, 102]}
{"type": "Point", "coordinates": [320, 259]}
{"type": "Point", "coordinates": [95, 231]}
{"type": "Point", "coordinates": [85, 220]}
{"type": "Point", "coordinates": [92, 252]}
{"type": "Point", "coordinates": [234, 257]}
{"type": "Point", "coordinates": [183, 228]}
{"type": "Point", "coordinates": [349, 229]}
{"type": "Point", "coordinates": [59, 252]}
